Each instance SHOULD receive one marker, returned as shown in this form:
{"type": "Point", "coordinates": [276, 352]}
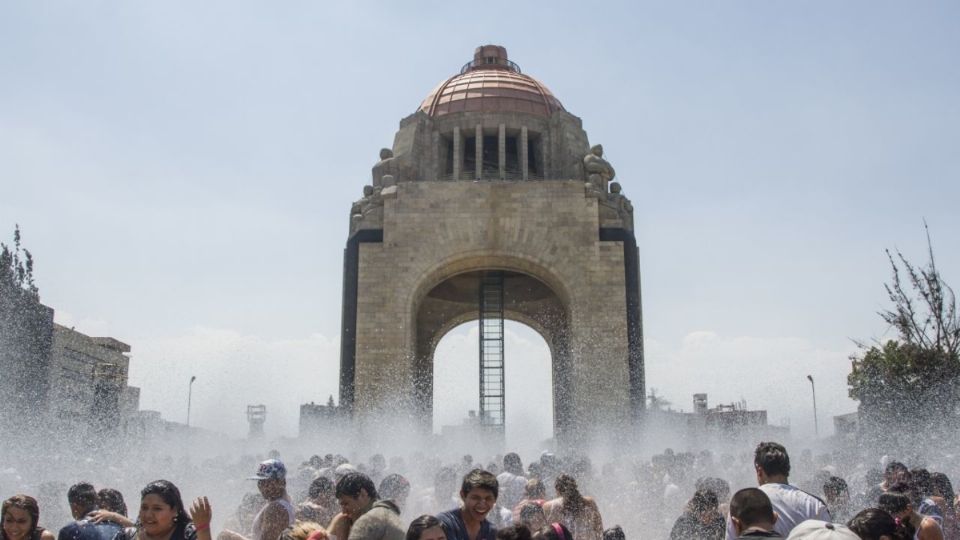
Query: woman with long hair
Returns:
{"type": "Point", "coordinates": [897, 502]}
{"type": "Point", "coordinates": [878, 524]}
{"type": "Point", "coordinates": [19, 518]}
{"type": "Point", "coordinates": [163, 517]}
{"type": "Point", "coordinates": [577, 513]}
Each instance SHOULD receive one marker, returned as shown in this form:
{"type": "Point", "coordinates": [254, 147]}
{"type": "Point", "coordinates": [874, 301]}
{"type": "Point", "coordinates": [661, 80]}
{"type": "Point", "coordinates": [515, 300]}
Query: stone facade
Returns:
{"type": "Point", "coordinates": [521, 193]}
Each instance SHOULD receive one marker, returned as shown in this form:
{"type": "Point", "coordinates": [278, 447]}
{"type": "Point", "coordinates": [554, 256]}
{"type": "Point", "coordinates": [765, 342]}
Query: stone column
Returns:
{"type": "Point", "coordinates": [457, 154]}
{"type": "Point", "coordinates": [479, 152]}
{"type": "Point", "coordinates": [523, 153]}
{"type": "Point", "coordinates": [502, 151]}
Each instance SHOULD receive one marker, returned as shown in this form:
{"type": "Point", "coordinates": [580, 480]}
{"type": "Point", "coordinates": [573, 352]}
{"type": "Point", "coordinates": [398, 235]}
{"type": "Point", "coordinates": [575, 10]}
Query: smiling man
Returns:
{"type": "Point", "coordinates": [478, 495]}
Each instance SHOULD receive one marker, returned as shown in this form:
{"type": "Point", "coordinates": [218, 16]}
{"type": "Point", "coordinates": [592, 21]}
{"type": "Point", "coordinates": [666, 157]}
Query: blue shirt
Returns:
{"type": "Point", "coordinates": [456, 529]}
{"type": "Point", "coordinates": [85, 529]}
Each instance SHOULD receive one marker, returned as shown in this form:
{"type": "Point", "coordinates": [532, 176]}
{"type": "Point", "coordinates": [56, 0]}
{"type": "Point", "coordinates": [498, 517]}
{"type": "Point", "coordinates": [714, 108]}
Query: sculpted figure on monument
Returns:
{"type": "Point", "coordinates": [386, 165]}
{"type": "Point", "coordinates": [598, 170]}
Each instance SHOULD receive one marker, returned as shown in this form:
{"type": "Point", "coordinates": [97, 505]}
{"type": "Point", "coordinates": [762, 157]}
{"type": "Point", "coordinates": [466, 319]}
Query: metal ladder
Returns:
{"type": "Point", "coordinates": [492, 411]}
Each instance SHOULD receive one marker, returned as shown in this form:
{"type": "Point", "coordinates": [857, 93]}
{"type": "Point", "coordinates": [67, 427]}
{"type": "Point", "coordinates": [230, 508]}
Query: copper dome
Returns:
{"type": "Point", "coordinates": [491, 83]}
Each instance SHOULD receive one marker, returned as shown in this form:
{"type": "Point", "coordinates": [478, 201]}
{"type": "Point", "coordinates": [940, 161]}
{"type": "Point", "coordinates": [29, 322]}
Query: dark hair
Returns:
{"type": "Point", "coordinates": [170, 495]}
{"type": "Point", "coordinates": [920, 482]}
{"type": "Point", "coordinates": [394, 486]}
{"type": "Point", "coordinates": [614, 533]}
{"type": "Point", "coordinates": [703, 500]}
{"type": "Point", "coordinates": [529, 511]}
{"type": "Point", "coordinates": [872, 523]}
{"type": "Point", "coordinates": [717, 485]}
{"type": "Point", "coordinates": [83, 494]}
{"type": "Point", "coordinates": [566, 487]}
{"type": "Point", "coordinates": [22, 502]}
{"type": "Point", "coordinates": [512, 463]}
{"type": "Point", "coordinates": [549, 532]}
{"type": "Point", "coordinates": [479, 479]}
{"type": "Point", "coordinates": [772, 459]}
{"type": "Point", "coordinates": [535, 488]}
{"type": "Point", "coordinates": [941, 486]}
{"type": "Point", "coordinates": [751, 506]}
{"type": "Point", "coordinates": [834, 486]}
{"type": "Point", "coordinates": [112, 500]}
{"type": "Point", "coordinates": [514, 532]}
{"type": "Point", "coordinates": [352, 483]}
{"type": "Point", "coordinates": [894, 501]}
{"type": "Point", "coordinates": [319, 486]}
{"type": "Point", "coordinates": [421, 524]}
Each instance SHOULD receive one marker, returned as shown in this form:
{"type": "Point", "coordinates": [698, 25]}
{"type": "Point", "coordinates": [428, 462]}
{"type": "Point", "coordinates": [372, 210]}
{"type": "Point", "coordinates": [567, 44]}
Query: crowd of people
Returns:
{"type": "Point", "coordinates": [330, 498]}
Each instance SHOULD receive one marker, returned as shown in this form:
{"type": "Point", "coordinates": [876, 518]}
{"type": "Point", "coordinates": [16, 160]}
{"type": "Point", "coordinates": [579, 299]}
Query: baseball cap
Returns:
{"type": "Point", "coordinates": [271, 469]}
{"type": "Point", "coordinates": [814, 529]}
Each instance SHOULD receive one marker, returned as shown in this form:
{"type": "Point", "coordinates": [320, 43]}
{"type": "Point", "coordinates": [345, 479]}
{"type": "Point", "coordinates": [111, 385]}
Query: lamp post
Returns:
{"type": "Point", "coordinates": [190, 398]}
{"type": "Point", "coordinates": [813, 389]}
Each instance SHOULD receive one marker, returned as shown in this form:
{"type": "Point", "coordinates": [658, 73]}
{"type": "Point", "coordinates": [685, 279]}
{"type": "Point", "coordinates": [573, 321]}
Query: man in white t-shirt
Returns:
{"type": "Point", "coordinates": [791, 504]}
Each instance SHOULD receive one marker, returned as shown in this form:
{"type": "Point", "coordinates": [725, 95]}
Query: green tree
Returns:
{"type": "Point", "coordinates": [908, 387]}
{"type": "Point", "coordinates": [16, 270]}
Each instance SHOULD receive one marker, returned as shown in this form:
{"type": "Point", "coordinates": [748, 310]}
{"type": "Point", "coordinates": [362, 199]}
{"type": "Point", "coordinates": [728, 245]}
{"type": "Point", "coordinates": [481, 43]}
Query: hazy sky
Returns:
{"type": "Point", "coordinates": [183, 173]}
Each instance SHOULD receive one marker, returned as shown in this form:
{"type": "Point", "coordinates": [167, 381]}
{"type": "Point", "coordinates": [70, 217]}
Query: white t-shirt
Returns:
{"type": "Point", "coordinates": [792, 505]}
{"type": "Point", "coordinates": [512, 487]}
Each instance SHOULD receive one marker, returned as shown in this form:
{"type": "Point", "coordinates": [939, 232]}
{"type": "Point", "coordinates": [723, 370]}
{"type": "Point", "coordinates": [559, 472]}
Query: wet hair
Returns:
{"type": "Point", "coordinates": [703, 501]}
{"type": "Point", "coordinates": [614, 533]}
{"type": "Point", "coordinates": [421, 524]}
{"type": "Point", "coordinates": [834, 486]}
{"type": "Point", "coordinates": [394, 487]}
{"type": "Point", "coordinates": [920, 483]}
{"type": "Point", "coordinates": [566, 486]}
{"type": "Point", "coordinates": [940, 485]}
{"type": "Point", "coordinates": [751, 506]}
{"type": "Point", "coordinates": [512, 463]}
{"type": "Point", "coordinates": [21, 502]}
{"type": "Point", "coordinates": [84, 495]}
{"type": "Point", "coordinates": [894, 501]}
{"type": "Point", "coordinates": [772, 459]}
{"type": "Point", "coordinates": [514, 532]}
{"type": "Point", "coordinates": [872, 523]}
{"type": "Point", "coordinates": [479, 479]}
{"type": "Point", "coordinates": [550, 532]}
{"type": "Point", "coordinates": [300, 530]}
{"type": "Point", "coordinates": [112, 500]}
{"type": "Point", "coordinates": [529, 511]}
{"type": "Point", "coordinates": [893, 468]}
{"type": "Point", "coordinates": [535, 489]}
{"type": "Point", "coordinates": [319, 486]}
{"type": "Point", "coordinates": [170, 495]}
{"type": "Point", "coordinates": [351, 484]}
{"type": "Point", "coordinates": [717, 485]}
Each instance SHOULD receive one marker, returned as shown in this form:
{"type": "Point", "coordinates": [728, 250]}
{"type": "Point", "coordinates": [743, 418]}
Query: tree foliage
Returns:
{"type": "Point", "coordinates": [913, 380]}
{"type": "Point", "coordinates": [16, 269]}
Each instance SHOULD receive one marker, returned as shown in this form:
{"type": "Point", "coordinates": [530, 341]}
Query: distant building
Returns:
{"type": "Point", "coordinates": [723, 422]}
{"type": "Point", "coordinates": [315, 420]}
{"type": "Point", "coordinates": [26, 337]}
{"type": "Point", "coordinates": [87, 377]}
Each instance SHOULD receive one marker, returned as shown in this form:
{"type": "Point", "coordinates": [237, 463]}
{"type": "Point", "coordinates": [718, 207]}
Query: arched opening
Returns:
{"type": "Point", "coordinates": [529, 389]}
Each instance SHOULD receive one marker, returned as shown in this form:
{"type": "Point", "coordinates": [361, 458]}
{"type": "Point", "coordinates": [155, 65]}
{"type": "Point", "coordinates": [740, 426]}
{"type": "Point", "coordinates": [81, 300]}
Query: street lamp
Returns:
{"type": "Point", "coordinates": [816, 428]}
{"type": "Point", "coordinates": [190, 398]}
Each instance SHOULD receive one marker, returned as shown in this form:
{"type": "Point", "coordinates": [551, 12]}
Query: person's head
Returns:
{"type": "Point", "coordinates": [19, 516]}
{"type": "Point", "coordinates": [535, 489]}
{"type": "Point", "coordinates": [553, 531]}
{"type": "Point", "coordinates": [426, 527]}
{"type": "Point", "coordinates": [614, 533]}
{"type": "Point", "coordinates": [111, 500]}
{"type": "Point", "coordinates": [751, 507]}
{"type": "Point", "coordinates": [300, 530]}
{"type": "Point", "coordinates": [836, 491]}
{"type": "Point", "coordinates": [514, 532]}
{"type": "Point", "coordinates": [321, 490]}
{"type": "Point", "coordinates": [396, 488]}
{"type": "Point", "coordinates": [895, 472]}
{"type": "Point", "coordinates": [703, 505]}
{"type": "Point", "coordinates": [877, 524]}
{"type": "Point", "coordinates": [161, 508]}
{"type": "Point", "coordinates": [512, 464]}
{"type": "Point", "coordinates": [82, 497]}
{"type": "Point", "coordinates": [355, 492]}
{"type": "Point", "coordinates": [531, 515]}
{"type": "Point", "coordinates": [896, 501]}
{"type": "Point", "coordinates": [920, 483]}
{"type": "Point", "coordinates": [271, 477]}
{"type": "Point", "coordinates": [821, 530]}
{"type": "Point", "coordinates": [771, 462]}
{"type": "Point", "coordinates": [941, 487]}
{"type": "Point", "coordinates": [717, 485]}
{"type": "Point", "coordinates": [478, 493]}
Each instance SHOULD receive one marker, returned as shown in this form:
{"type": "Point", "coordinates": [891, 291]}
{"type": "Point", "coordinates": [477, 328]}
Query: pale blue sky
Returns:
{"type": "Point", "coordinates": [183, 171]}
